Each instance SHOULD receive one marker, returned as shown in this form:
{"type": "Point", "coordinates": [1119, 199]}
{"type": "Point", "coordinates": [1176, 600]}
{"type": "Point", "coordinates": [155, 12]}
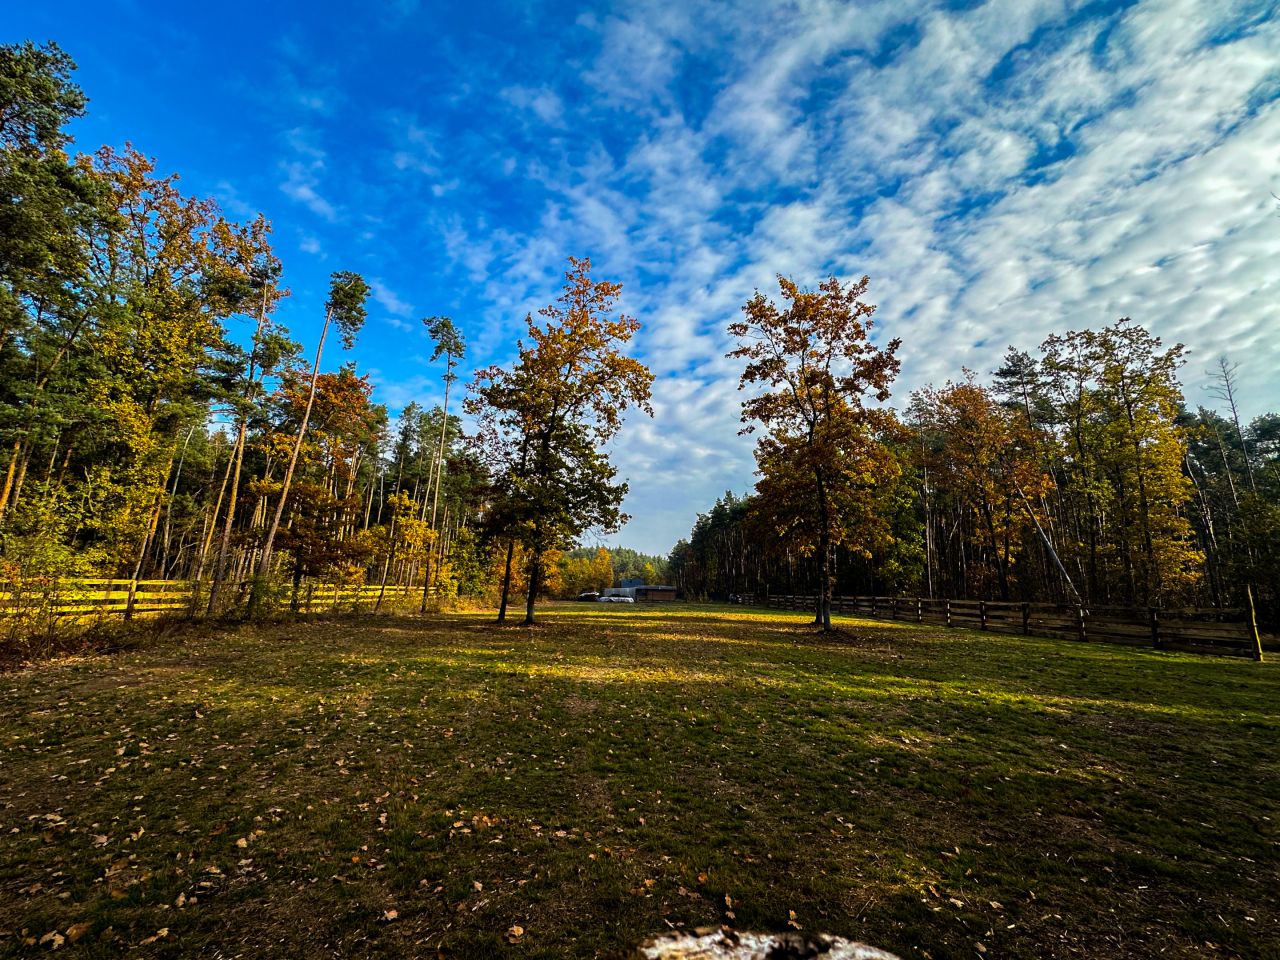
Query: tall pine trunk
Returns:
{"type": "Point", "coordinates": [264, 562]}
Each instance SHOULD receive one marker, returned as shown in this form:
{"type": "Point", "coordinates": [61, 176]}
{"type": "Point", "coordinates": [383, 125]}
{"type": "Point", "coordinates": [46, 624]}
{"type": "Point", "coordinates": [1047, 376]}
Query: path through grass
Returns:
{"type": "Point", "coordinates": [391, 787]}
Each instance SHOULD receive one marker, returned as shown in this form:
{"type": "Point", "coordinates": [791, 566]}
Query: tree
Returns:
{"type": "Point", "coordinates": [345, 307]}
{"type": "Point", "coordinates": [544, 421]}
{"type": "Point", "coordinates": [1119, 400]}
{"type": "Point", "coordinates": [450, 344]}
{"type": "Point", "coordinates": [982, 458]}
{"type": "Point", "coordinates": [821, 457]}
{"type": "Point", "coordinates": [254, 280]}
{"type": "Point", "coordinates": [50, 206]}
{"type": "Point", "coordinates": [37, 96]}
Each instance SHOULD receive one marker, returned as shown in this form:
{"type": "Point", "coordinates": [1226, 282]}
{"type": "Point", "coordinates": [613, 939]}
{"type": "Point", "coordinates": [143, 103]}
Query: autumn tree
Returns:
{"type": "Point", "coordinates": [545, 420]}
{"type": "Point", "coordinates": [981, 457]}
{"type": "Point", "coordinates": [345, 307]}
{"type": "Point", "coordinates": [1118, 400]}
{"type": "Point", "coordinates": [821, 456]}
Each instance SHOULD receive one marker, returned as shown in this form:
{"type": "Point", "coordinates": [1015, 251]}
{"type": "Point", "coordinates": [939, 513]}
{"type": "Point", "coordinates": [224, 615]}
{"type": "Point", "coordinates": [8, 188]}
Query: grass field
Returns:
{"type": "Point", "coordinates": [403, 787]}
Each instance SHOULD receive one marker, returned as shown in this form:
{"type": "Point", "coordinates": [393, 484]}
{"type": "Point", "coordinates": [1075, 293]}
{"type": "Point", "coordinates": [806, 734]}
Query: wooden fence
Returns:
{"type": "Point", "coordinates": [1219, 631]}
{"type": "Point", "coordinates": [80, 601]}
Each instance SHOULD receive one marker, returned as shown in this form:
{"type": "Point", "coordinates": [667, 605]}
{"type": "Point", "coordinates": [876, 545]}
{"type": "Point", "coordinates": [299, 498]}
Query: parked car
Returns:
{"type": "Point", "coordinates": [589, 596]}
{"type": "Point", "coordinates": [617, 600]}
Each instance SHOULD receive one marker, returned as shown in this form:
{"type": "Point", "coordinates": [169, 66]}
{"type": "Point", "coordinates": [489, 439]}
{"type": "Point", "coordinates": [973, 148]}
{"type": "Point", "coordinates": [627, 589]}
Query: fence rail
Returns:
{"type": "Point", "coordinates": [1218, 631]}
{"type": "Point", "coordinates": [91, 599]}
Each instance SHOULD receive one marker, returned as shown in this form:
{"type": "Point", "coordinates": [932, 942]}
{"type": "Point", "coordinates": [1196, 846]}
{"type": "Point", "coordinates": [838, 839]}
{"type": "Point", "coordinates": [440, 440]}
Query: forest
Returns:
{"type": "Point", "coordinates": [1076, 473]}
{"type": "Point", "coordinates": [158, 423]}
{"type": "Point", "coordinates": [298, 657]}
{"type": "Point", "coordinates": [147, 436]}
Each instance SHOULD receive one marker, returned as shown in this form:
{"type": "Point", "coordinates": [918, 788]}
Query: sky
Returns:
{"type": "Point", "coordinates": [1001, 170]}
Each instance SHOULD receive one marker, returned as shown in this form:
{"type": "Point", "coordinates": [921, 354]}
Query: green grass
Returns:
{"type": "Point", "coordinates": [614, 773]}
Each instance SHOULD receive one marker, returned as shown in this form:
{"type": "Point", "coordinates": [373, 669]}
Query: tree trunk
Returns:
{"type": "Point", "coordinates": [426, 584]}
{"type": "Point", "coordinates": [535, 575]}
{"type": "Point", "coordinates": [224, 543]}
{"type": "Point", "coordinates": [386, 567]}
{"type": "Point", "coordinates": [444, 429]}
{"type": "Point", "coordinates": [264, 563]}
{"type": "Point", "coordinates": [823, 618]}
{"type": "Point", "coordinates": [9, 474]}
{"type": "Point", "coordinates": [506, 581]}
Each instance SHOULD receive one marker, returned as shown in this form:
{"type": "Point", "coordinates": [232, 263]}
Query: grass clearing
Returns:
{"type": "Point", "coordinates": [401, 787]}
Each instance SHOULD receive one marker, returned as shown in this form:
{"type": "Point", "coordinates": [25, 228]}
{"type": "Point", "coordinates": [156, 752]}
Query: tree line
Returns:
{"type": "Point", "coordinates": [1073, 473]}
{"type": "Point", "coordinates": [158, 421]}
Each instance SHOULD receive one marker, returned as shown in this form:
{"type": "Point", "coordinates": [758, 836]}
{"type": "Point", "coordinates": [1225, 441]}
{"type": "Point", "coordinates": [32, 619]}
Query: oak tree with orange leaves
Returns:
{"type": "Point", "coordinates": [822, 456]}
{"type": "Point", "coordinates": [544, 422]}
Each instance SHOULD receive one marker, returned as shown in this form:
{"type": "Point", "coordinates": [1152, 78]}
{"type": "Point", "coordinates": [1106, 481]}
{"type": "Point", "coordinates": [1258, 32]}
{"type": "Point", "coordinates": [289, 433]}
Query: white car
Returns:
{"type": "Point", "coordinates": [617, 600]}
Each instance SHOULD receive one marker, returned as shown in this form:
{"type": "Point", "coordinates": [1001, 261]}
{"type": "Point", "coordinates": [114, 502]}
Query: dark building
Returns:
{"type": "Point", "coordinates": [656, 593]}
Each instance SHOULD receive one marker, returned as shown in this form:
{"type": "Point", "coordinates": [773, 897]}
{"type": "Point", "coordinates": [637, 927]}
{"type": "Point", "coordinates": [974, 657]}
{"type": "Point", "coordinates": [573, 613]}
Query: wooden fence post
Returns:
{"type": "Point", "coordinates": [982, 614]}
{"type": "Point", "coordinates": [947, 611]}
{"type": "Point", "coordinates": [1253, 624]}
{"type": "Point", "coordinates": [919, 610]}
{"type": "Point", "coordinates": [1080, 631]}
{"type": "Point", "coordinates": [1026, 618]}
{"type": "Point", "coordinates": [893, 610]}
{"type": "Point", "coordinates": [133, 596]}
{"type": "Point", "coordinates": [1154, 614]}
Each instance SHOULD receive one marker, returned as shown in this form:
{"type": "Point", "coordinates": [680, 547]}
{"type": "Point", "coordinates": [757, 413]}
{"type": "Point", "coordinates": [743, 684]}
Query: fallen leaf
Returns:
{"type": "Point", "coordinates": [514, 933]}
{"type": "Point", "coordinates": [76, 931]}
{"type": "Point", "coordinates": [390, 915]}
{"type": "Point", "coordinates": [159, 935]}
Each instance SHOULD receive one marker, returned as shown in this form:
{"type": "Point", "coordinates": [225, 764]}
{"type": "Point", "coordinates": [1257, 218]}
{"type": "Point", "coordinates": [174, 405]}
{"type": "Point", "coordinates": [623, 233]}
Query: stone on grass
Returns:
{"type": "Point", "coordinates": [726, 944]}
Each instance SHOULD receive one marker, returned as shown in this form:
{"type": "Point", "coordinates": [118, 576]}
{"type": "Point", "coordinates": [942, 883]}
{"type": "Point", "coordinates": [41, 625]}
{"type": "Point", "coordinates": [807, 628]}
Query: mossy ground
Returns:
{"type": "Point", "coordinates": [406, 787]}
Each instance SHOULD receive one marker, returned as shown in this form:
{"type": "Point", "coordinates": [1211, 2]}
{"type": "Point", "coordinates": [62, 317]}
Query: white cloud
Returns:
{"type": "Point", "coordinates": [390, 301]}
{"type": "Point", "coordinates": [1001, 172]}
{"type": "Point", "coordinates": [302, 174]}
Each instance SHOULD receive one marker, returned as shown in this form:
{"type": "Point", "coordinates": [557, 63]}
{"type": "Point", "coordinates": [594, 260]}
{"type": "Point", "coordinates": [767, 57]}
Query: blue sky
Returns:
{"type": "Point", "coordinates": [1002, 170]}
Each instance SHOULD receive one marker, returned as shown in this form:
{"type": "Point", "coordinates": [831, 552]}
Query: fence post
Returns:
{"type": "Point", "coordinates": [919, 610]}
{"type": "Point", "coordinates": [1026, 618]}
{"type": "Point", "coordinates": [873, 604]}
{"type": "Point", "coordinates": [1253, 624]}
{"type": "Point", "coordinates": [947, 611]}
{"type": "Point", "coordinates": [133, 596]}
{"type": "Point", "coordinates": [1154, 614]}
{"type": "Point", "coordinates": [982, 614]}
{"type": "Point", "coordinates": [893, 610]}
{"type": "Point", "coordinates": [1080, 631]}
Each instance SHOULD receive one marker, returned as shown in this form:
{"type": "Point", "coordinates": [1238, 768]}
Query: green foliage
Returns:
{"type": "Point", "coordinates": [346, 304]}
{"type": "Point", "coordinates": [37, 96]}
{"type": "Point", "coordinates": [40, 564]}
{"type": "Point", "coordinates": [467, 562]}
